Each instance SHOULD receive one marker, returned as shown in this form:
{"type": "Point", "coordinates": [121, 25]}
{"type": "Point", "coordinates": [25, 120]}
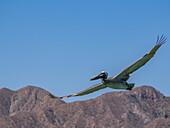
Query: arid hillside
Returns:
{"type": "Point", "coordinates": [31, 107]}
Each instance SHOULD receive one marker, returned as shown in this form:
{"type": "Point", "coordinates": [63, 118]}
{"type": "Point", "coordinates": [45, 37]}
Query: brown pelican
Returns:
{"type": "Point", "coordinates": [119, 81]}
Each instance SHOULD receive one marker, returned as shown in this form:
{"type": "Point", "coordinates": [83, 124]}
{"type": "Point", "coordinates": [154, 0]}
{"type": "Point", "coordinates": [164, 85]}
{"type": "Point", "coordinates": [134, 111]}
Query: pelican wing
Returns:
{"type": "Point", "coordinates": [87, 91]}
{"type": "Point", "coordinates": [125, 74]}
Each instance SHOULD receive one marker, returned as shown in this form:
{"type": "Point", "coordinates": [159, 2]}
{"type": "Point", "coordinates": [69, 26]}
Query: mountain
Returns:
{"type": "Point", "coordinates": [31, 107]}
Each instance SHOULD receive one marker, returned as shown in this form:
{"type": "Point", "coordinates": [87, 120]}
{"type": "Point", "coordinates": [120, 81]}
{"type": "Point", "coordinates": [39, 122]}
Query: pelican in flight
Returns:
{"type": "Point", "coordinates": [119, 81]}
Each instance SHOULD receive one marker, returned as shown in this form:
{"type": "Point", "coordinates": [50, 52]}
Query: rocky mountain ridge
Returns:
{"type": "Point", "coordinates": [31, 107]}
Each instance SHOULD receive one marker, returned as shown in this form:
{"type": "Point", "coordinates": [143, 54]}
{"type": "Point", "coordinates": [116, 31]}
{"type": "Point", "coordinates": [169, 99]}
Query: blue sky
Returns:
{"type": "Point", "coordinates": [59, 45]}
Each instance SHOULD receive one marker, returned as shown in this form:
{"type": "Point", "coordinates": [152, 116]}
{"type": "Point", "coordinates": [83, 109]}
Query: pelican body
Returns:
{"type": "Point", "coordinates": [113, 82]}
{"type": "Point", "coordinates": [119, 81]}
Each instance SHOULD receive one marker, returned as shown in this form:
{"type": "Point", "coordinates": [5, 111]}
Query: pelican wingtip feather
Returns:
{"type": "Point", "coordinates": [52, 96]}
{"type": "Point", "coordinates": [161, 40]}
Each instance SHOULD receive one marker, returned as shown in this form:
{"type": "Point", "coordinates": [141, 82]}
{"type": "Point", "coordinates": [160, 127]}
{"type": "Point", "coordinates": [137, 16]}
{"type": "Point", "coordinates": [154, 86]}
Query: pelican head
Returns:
{"type": "Point", "coordinates": [102, 75]}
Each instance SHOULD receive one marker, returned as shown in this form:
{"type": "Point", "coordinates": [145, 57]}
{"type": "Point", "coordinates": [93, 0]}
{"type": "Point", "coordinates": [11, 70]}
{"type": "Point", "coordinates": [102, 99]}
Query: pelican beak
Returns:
{"type": "Point", "coordinates": [97, 77]}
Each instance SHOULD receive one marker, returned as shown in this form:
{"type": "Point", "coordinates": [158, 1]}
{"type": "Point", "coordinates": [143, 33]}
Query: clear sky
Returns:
{"type": "Point", "coordinates": [59, 45]}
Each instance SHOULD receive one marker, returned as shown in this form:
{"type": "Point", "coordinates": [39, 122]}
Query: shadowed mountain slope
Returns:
{"type": "Point", "coordinates": [31, 107]}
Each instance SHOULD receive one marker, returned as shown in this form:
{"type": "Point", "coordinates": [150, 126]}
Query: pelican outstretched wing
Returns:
{"type": "Point", "coordinates": [125, 74]}
{"type": "Point", "coordinates": [87, 91]}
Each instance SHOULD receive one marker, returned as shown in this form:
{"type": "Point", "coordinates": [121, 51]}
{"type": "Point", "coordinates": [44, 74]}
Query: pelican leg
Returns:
{"type": "Point", "coordinates": [130, 86]}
